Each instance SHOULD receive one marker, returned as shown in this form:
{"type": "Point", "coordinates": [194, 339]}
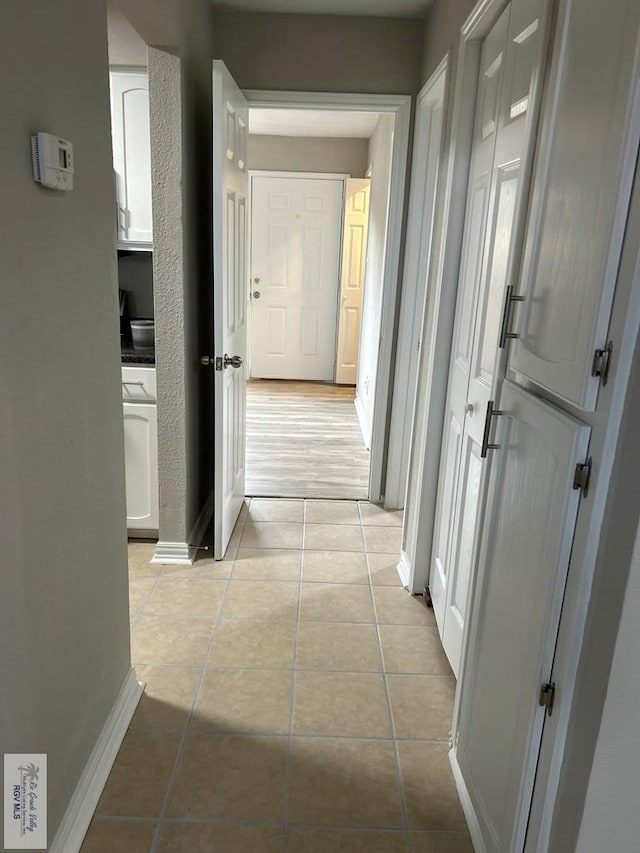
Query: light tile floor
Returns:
{"type": "Point", "coordinates": [298, 699]}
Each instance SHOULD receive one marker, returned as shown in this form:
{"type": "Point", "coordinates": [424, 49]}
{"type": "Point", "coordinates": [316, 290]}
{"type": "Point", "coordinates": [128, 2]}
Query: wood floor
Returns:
{"type": "Point", "coordinates": [304, 441]}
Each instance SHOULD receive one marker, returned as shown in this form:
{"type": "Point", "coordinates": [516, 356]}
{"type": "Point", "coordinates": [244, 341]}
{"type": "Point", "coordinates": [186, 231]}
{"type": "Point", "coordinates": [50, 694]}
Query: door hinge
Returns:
{"type": "Point", "coordinates": [582, 476]}
{"type": "Point", "coordinates": [547, 696]}
{"type": "Point", "coordinates": [601, 363]}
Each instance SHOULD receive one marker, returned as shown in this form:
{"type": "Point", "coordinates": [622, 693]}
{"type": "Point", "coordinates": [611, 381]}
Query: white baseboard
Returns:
{"type": "Point", "coordinates": [363, 420]}
{"type": "Point", "coordinates": [404, 569]}
{"type": "Point", "coordinates": [184, 553]}
{"type": "Point", "coordinates": [77, 817]}
{"type": "Point", "coordinates": [467, 805]}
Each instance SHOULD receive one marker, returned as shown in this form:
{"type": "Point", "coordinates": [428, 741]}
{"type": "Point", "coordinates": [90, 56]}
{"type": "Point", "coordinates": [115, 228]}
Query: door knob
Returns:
{"type": "Point", "coordinates": [232, 361]}
{"type": "Point", "coordinates": [256, 294]}
{"type": "Point", "coordinates": [468, 409]}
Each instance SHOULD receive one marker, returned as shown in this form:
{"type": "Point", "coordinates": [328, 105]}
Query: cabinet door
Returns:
{"type": "Point", "coordinates": [524, 558]}
{"type": "Point", "coordinates": [576, 223]}
{"type": "Point", "coordinates": [141, 462]}
{"type": "Point", "coordinates": [131, 155]}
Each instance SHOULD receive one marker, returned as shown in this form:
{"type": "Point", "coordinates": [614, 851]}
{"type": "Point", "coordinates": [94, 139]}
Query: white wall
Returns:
{"type": "Point", "coordinates": [308, 154]}
{"type": "Point", "coordinates": [125, 45]}
{"type": "Point", "coordinates": [64, 615]}
{"type": "Point", "coordinates": [380, 151]}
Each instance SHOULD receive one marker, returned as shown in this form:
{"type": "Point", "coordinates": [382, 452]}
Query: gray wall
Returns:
{"type": "Point", "coordinates": [309, 154]}
{"type": "Point", "coordinates": [380, 151]}
{"type": "Point", "coordinates": [125, 45]}
{"type": "Point", "coordinates": [64, 615]}
{"type": "Point", "coordinates": [320, 52]}
{"type": "Point", "coordinates": [442, 33]}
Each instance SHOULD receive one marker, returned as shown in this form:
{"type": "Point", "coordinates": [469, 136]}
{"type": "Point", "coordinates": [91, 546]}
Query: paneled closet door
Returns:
{"type": "Point", "coordinates": [482, 300]}
{"type": "Point", "coordinates": [576, 224]}
{"type": "Point", "coordinates": [524, 558]}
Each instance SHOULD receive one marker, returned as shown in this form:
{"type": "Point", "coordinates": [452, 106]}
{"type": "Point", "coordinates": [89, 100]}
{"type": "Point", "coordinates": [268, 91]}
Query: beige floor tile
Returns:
{"type": "Point", "coordinates": [204, 567]}
{"type": "Point", "coordinates": [271, 534]}
{"type": "Point", "coordinates": [378, 515]}
{"type": "Point", "coordinates": [334, 646]}
{"type": "Point", "coordinates": [268, 600]}
{"type": "Point", "coordinates": [140, 554]}
{"type": "Point", "coordinates": [413, 649]}
{"type": "Point", "coordinates": [441, 842]}
{"type": "Point", "coordinates": [430, 792]}
{"type": "Point", "coordinates": [139, 588]}
{"type": "Point", "coordinates": [242, 778]}
{"type": "Point", "coordinates": [168, 696]}
{"type": "Point", "coordinates": [251, 701]}
{"type": "Point", "coordinates": [303, 839]}
{"type": "Point", "coordinates": [207, 838]}
{"type": "Point", "coordinates": [383, 540]}
{"type": "Point", "coordinates": [267, 645]}
{"type": "Point", "coordinates": [176, 641]}
{"type": "Point", "coordinates": [323, 602]}
{"type": "Point", "coordinates": [333, 537]}
{"type": "Point", "coordinates": [335, 567]}
{"type": "Point", "coordinates": [395, 606]}
{"type": "Point", "coordinates": [113, 836]}
{"type": "Point", "coordinates": [279, 509]}
{"type": "Point", "coordinates": [186, 598]}
{"type": "Point", "coordinates": [138, 780]}
{"type": "Point", "coordinates": [332, 512]}
{"type": "Point", "coordinates": [422, 705]}
{"type": "Point", "coordinates": [341, 704]}
{"type": "Point", "coordinates": [344, 783]}
{"type": "Point", "coordinates": [267, 564]}
{"type": "Point", "coordinates": [384, 570]}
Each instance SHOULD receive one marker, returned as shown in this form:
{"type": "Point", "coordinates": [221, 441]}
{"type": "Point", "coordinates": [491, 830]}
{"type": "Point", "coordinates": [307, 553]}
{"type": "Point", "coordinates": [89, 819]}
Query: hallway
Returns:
{"type": "Point", "coordinates": [304, 439]}
{"type": "Point", "coordinates": [297, 698]}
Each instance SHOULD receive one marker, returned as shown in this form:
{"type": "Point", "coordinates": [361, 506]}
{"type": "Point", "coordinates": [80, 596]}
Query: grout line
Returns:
{"type": "Point", "coordinates": [396, 753]}
{"type": "Point", "coordinates": [183, 741]}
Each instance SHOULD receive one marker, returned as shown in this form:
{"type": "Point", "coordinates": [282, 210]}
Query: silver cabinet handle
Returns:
{"type": "Point", "coordinates": [487, 430]}
{"type": "Point", "coordinates": [506, 317]}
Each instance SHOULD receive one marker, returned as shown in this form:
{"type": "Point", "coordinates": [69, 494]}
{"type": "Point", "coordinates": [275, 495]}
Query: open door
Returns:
{"type": "Point", "coordinates": [230, 189]}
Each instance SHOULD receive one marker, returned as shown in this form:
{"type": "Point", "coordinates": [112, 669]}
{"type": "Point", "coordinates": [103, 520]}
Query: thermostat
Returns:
{"type": "Point", "coordinates": [52, 161]}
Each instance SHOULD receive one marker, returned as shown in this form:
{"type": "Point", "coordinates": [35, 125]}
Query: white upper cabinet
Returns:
{"type": "Point", "coordinates": [131, 155]}
{"type": "Point", "coordinates": [576, 224]}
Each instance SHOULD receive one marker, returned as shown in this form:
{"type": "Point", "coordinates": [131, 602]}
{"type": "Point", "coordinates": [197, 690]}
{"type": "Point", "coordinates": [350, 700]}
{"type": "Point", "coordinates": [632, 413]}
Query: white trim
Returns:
{"type": "Point", "coordinates": [174, 554]}
{"type": "Point", "coordinates": [443, 283]}
{"type": "Point", "coordinates": [418, 246]}
{"type": "Point", "coordinates": [77, 817]}
{"type": "Point", "coordinates": [400, 107]}
{"type": "Point", "coordinates": [404, 569]}
{"type": "Point", "coordinates": [362, 421]}
{"type": "Point", "coordinates": [467, 805]}
{"type": "Point", "coordinates": [278, 173]}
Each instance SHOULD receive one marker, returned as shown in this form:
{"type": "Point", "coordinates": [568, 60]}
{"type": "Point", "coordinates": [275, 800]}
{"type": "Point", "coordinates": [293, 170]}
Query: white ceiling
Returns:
{"type": "Point", "coordinates": [333, 123]}
{"type": "Point", "coordinates": [384, 8]}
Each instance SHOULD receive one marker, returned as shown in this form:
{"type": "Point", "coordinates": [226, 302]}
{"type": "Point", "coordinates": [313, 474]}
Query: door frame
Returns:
{"type": "Point", "coordinates": [437, 333]}
{"type": "Point", "coordinates": [399, 106]}
{"type": "Point", "coordinates": [419, 246]}
{"type": "Point", "coordinates": [278, 173]}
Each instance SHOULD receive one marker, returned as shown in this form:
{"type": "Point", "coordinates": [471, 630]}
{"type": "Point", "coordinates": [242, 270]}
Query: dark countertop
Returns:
{"type": "Point", "coordinates": [137, 356]}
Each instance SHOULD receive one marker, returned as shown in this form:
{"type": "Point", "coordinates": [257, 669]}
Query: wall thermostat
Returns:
{"type": "Point", "coordinates": [52, 161]}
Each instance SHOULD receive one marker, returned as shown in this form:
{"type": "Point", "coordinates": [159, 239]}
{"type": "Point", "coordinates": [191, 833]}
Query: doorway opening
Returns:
{"type": "Point", "coordinates": [320, 187]}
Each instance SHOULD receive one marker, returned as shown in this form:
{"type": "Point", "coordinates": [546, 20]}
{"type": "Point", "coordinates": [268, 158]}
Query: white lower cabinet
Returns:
{"type": "Point", "coordinates": [141, 459]}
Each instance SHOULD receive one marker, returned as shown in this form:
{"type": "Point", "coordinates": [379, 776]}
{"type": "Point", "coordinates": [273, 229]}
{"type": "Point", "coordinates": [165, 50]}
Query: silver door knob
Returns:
{"type": "Point", "coordinates": [468, 409]}
{"type": "Point", "coordinates": [206, 360]}
{"type": "Point", "coordinates": [232, 361]}
{"type": "Point", "coordinates": [256, 294]}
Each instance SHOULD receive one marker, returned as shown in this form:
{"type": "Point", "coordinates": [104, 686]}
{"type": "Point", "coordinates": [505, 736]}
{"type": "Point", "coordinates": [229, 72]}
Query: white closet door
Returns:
{"type": "Point", "coordinates": [296, 226]}
{"type": "Point", "coordinates": [576, 223]}
{"type": "Point", "coordinates": [478, 192]}
{"type": "Point", "coordinates": [526, 544]}
{"type": "Point", "coordinates": [230, 188]}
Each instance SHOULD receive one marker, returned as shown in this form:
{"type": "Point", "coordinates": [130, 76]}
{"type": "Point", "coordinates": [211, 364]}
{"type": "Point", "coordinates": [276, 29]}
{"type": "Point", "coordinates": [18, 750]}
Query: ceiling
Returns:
{"type": "Point", "coordinates": [375, 8]}
{"type": "Point", "coordinates": [333, 123]}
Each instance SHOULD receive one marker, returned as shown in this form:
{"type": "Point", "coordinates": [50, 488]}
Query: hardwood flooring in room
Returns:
{"type": "Point", "coordinates": [304, 440]}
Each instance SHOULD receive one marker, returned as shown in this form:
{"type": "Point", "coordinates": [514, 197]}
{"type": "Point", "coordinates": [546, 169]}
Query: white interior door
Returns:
{"type": "Point", "coordinates": [354, 252]}
{"type": "Point", "coordinates": [532, 507]}
{"type": "Point", "coordinates": [230, 188]}
{"type": "Point", "coordinates": [295, 273]}
{"type": "Point", "coordinates": [506, 115]}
